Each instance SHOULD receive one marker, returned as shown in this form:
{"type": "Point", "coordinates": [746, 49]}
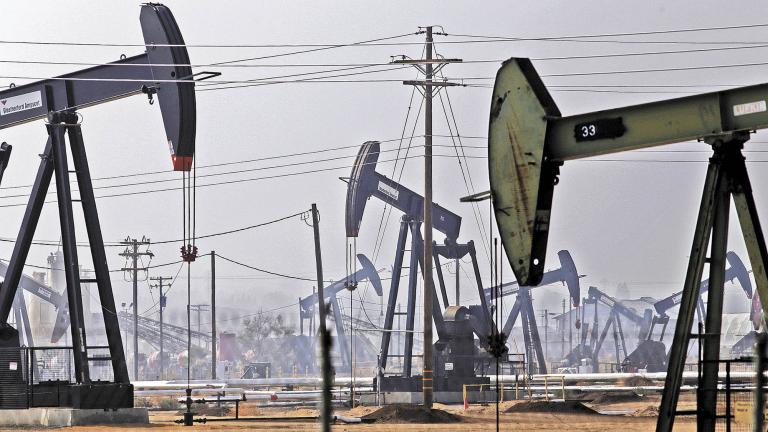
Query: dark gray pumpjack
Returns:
{"type": "Point", "coordinates": [364, 183]}
{"type": "Point", "coordinates": [163, 72]}
{"type": "Point", "coordinates": [736, 271]}
{"type": "Point", "coordinates": [650, 355]}
{"type": "Point", "coordinates": [523, 308]}
{"type": "Point", "coordinates": [307, 304]}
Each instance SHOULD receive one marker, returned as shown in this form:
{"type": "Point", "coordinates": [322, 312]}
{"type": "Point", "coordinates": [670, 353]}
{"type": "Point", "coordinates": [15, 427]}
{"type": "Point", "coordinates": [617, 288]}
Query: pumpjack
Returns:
{"type": "Point", "coordinates": [523, 308]}
{"type": "Point", "coordinates": [162, 72]}
{"type": "Point", "coordinates": [737, 271]}
{"type": "Point", "coordinates": [307, 304]}
{"type": "Point", "coordinates": [529, 140]}
{"type": "Point", "coordinates": [455, 349]}
{"type": "Point", "coordinates": [746, 345]}
{"type": "Point", "coordinates": [649, 354]}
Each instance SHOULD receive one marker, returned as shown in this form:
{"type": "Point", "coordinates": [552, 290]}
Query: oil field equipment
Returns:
{"type": "Point", "coordinates": [737, 271]}
{"type": "Point", "coordinates": [523, 308]}
{"type": "Point", "coordinates": [163, 71]}
{"type": "Point", "coordinates": [307, 304]}
{"type": "Point", "coordinates": [529, 140]}
{"type": "Point", "coordinates": [456, 326]}
{"type": "Point", "coordinates": [650, 355]}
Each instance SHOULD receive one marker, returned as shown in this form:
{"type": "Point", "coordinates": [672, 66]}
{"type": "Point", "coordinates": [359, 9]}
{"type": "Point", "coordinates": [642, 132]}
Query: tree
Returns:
{"type": "Point", "coordinates": [262, 326]}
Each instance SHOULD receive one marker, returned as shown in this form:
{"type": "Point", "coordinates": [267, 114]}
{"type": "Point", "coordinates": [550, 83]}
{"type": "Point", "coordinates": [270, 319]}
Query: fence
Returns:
{"type": "Point", "coordinates": [31, 374]}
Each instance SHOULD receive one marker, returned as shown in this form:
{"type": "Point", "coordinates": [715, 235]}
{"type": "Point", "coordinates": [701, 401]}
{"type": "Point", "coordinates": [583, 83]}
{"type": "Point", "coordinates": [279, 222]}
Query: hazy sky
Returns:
{"type": "Point", "coordinates": [623, 221]}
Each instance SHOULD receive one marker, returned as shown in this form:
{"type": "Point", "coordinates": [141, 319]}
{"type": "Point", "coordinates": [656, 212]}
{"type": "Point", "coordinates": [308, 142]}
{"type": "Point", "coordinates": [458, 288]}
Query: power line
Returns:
{"type": "Point", "coordinates": [622, 34]}
{"type": "Point", "coordinates": [146, 182]}
{"type": "Point", "coordinates": [283, 275]}
{"type": "Point", "coordinates": [373, 42]}
{"type": "Point", "coordinates": [348, 66]}
{"type": "Point", "coordinates": [270, 177]}
{"type": "Point", "coordinates": [260, 159]}
{"type": "Point", "coordinates": [232, 231]}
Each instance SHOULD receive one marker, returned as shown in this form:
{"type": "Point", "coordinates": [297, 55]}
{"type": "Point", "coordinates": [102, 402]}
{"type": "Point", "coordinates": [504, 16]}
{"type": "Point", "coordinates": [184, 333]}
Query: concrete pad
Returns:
{"type": "Point", "coordinates": [60, 417]}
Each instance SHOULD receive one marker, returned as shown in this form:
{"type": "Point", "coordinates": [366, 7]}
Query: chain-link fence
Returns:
{"type": "Point", "coordinates": [31, 374]}
{"type": "Point", "coordinates": [735, 403]}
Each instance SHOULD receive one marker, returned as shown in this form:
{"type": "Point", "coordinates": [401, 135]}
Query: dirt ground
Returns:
{"type": "Point", "coordinates": [627, 416]}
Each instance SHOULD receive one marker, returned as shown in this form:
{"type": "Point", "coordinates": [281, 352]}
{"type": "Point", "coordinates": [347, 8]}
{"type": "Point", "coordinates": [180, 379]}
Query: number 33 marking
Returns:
{"type": "Point", "coordinates": [588, 131]}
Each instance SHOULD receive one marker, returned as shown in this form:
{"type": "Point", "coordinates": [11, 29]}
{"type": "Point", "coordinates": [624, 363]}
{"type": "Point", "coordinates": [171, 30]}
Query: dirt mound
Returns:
{"type": "Point", "coordinates": [649, 411]}
{"type": "Point", "coordinates": [361, 411]}
{"type": "Point", "coordinates": [409, 414]}
{"type": "Point", "coordinates": [636, 382]}
{"type": "Point", "coordinates": [569, 407]}
{"type": "Point", "coordinates": [605, 399]}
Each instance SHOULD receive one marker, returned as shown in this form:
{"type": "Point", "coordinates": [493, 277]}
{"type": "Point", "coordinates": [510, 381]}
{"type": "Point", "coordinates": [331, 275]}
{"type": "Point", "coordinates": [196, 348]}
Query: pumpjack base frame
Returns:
{"type": "Point", "coordinates": [35, 418]}
{"type": "Point", "coordinates": [96, 395]}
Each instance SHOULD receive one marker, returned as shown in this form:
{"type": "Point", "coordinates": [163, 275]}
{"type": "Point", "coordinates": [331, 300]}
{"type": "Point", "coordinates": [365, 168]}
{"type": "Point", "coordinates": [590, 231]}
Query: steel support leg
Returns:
{"type": "Point", "coordinates": [394, 284]}
{"type": "Point", "coordinates": [480, 291]}
{"type": "Point", "coordinates": [26, 232]}
{"type": "Point", "coordinates": [69, 247]}
{"type": "Point", "coordinates": [341, 338]}
{"type": "Point", "coordinates": [440, 279]}
{"type": "Point", "coordinates": [599, 343]}
{"type": "Point", "coordinates": [754, 238]}
{"type": "Point", "coordinates": [513, 314]}
{"type": "Point", "coordinates": [410, 311]}
{"type": "Point", "coordinates": [530, 314]}
{"type": "Point", "coordinates": [707, 391]}
{"type": "Point", "coordinates": [99, 257]}
{"type": "Point", "coordinates": [437, 312]}
{"type": "Point", "coordinates": [621, 338]}
{"type": "Point", "coordinates": [24, 315]}
{"type": "Point", "coordinates": [698, 253]}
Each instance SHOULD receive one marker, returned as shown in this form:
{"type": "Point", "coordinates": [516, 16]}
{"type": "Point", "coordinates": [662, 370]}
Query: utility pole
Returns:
{"type": "Point", "coordinates": [325, 338]}
{"type": "Point", "coordinates": [161, 284]}
{"type": "Point", "coordinates": [429, 66]}
{"type": "Point", "coordinates": [545, 317]}
{"type": "Point", "coordinates": [562, 332]}
{"type": "Point", "coordinates": [199, 308]}
{"type": "Point", "coordinates": [213, 315]}
{"type": "Point", "coordinates": [132, 251]}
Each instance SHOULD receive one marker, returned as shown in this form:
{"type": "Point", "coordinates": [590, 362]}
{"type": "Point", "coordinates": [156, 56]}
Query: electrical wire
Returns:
{"type": "Point", "coordinates": [283, 275]}
{"type": "Point", "coordinates": [227, 182]}
{"type": "Point", "coordinates": [374, 42]}
{"type": "Point", "coordinates": [217, 234]}
{"type": "Point", "coordinates": [259, 159]}
{"type": "Point", "coordinates": [264, 168]}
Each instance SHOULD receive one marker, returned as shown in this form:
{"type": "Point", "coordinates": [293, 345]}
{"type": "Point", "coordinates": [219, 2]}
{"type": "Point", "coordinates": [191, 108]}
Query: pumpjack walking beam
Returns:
{"type": "Point", "coordinates": [529, 140]}
{"type": "Point", "coordinates": [163, 70]}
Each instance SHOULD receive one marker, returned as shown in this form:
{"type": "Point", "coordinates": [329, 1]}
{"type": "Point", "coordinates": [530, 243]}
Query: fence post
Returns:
{"type": "Point", "coordinates": [464, 396]}
{"type": "Point", "coordinates": [562, 386]}
{"type": "Point", "coordinates": [759, 397]}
